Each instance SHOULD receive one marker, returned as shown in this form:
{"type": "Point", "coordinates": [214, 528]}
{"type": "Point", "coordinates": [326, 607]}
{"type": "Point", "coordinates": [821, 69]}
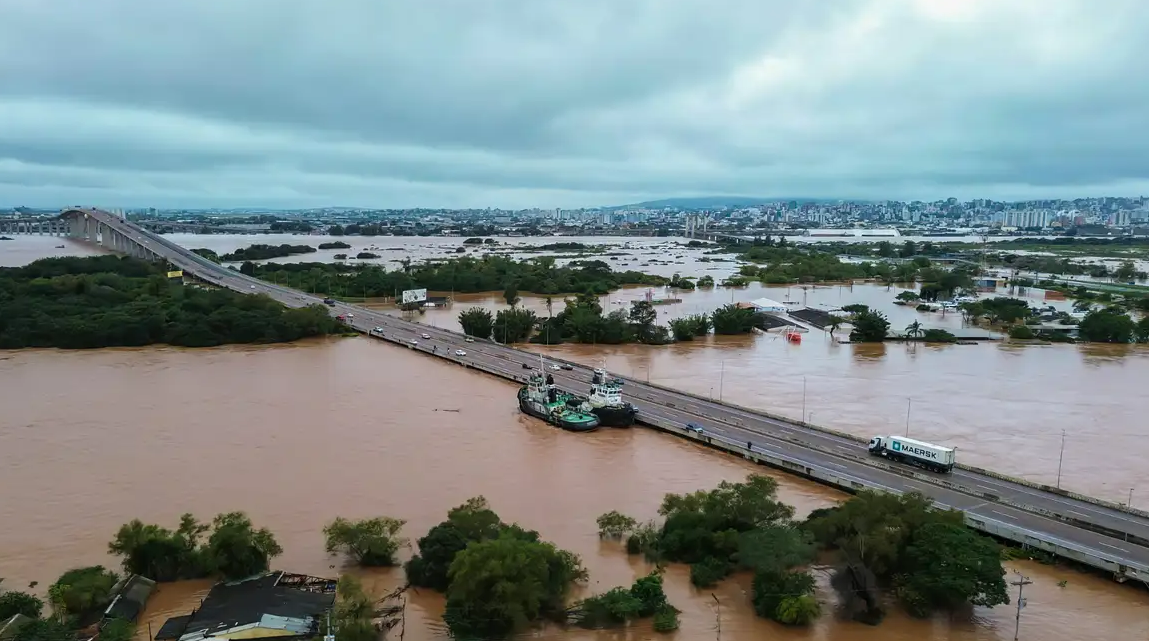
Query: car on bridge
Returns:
{"type": "Point", "coordinates": [329, 301]}
{"type": "Point", "coordinates": [413, 341]}
{"type": "Point", "coordinates": [527, 366]}
{"type": "Point", "coordinates": [695, 427]}
{"type": "Point", "coordinates": [566, 367]}
{"type": "Point", "coordinates": [460, 352]}
{"type": "Point", "coordinates": [378, 330]}
{"type": "Point", "coordinates": [469, 339]}
{"type": "Point", "coordinates": [426, 337]}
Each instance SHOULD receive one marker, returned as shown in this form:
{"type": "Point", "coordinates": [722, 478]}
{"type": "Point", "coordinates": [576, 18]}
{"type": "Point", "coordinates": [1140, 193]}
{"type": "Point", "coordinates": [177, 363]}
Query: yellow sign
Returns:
{"type": "Point", "coordinates": [176, 274]}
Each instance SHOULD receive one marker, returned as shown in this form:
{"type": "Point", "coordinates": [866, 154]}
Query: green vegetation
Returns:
{"type": "Point", "coordinates": [615, 525]}
{"type": "Point", "coordinates": [732, 319]}
{"type": "Point", "coordinates": [619, 606]}
{"type": "Point", "coordinates": [582, 321]}
{"type": "Point", "coordinates": [263, 252]}
{"type": "Point", "coordinates": [234, 549]}
{"type": "Point", "coordinates": [208, 254]}
{"type": "Point", "coordinates": [459, 274]}
{"type": "Point", "coordinates": [368, 542]}
{"type": "Point", "coordinates": [690, 327]}
{"type": "Point", "coordinates": [107, 301]}
{"type": "Point", "coordinates": [737, 525]}
{"type": "Point", "coordinates": [15, 602]}
{"type": "Point", "coordinates": [335, 245]}
{"type": "Point", "coordinates": [513, 325]}
{"type": "Point", "coordinates": [477, 322]}
{"type": "Point", "coordinates": [1107, 325]}
{"type": "Point", "coordinates": [1022, 332]}
{"type": "Point", "coordinates": [79, 593]}
{"type": "Point", "coordinates": [44, 630]}
{"type": "Point", "coordinates": [367, 256]}
{"type": "Point", "coordinates": [118, 630]}
{"type": "Point", "coordinates": [938, 336]}
{"type": "Point", "coordinates": [352, 618]}
{"type": "Point", "coordinates": [706, 282]}
{"type": "Point", "coordinates": [868, 326]}
{"type": "Point", "coordinates": [499, 578]}
{"type": "Point", "coordinates": [926, 557]}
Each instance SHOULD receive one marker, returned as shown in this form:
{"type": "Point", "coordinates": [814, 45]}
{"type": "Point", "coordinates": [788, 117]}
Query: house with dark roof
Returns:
{"type": "Point", "coordinates": [274, 605]}
{"type": "Point", "coordinates": [132, 595]}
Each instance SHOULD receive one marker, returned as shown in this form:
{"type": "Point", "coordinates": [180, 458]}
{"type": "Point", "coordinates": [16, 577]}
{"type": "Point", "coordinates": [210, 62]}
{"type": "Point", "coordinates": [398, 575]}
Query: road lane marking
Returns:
{"type": "Point", "coordinates": [1113, 547]}
{"type": "Point", "coordinates": [1004, 515]}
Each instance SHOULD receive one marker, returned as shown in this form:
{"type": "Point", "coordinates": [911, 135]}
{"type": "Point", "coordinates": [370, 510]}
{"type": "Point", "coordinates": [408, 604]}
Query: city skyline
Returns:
{"type": "Point", "coordinates": [524, 104]}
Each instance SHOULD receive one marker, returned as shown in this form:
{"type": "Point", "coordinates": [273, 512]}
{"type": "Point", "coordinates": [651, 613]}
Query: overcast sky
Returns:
{"type": "Point", "coordinates": [568, 103]}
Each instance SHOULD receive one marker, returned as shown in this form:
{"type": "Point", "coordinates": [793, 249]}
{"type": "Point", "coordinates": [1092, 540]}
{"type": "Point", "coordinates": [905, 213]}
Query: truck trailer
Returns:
{"type": "Point", "coordinates": [913, 452]}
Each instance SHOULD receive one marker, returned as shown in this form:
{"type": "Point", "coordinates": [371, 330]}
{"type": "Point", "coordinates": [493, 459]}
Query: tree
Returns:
{"type": "Point", "coordinates": [118, 630]}
{"type": "Point", "coordinates": [1142, 330]}
{"type": "Point", "coordinates": [472, 521]}
{"type": "Point", "coordinates": [236, 549]}
{"type": "Point", "coordinates": [15, 602]}
{"type": "Point", "coordinates": [643, 317]}
{"type": "Point", "coordinates": [773, 589]}
{"type": "Point", "coordinates": [914, 330]}
{"type": "Point", "coordinates": [1127, 271]}
{"type": "Point", "coordinates": [369, 542]}
{"type": "Point", "coordinates": [732, 319]}
{"type": "Point", "coordinates": [159, 553]}
{"type": "Point", "coordinates": [834, 323]}
{"type": "Point", "coordinates": [44, 630]}
{"type": "Point", "coordinates": [511, 294]}
{"type": "Point", "coordinates": [855, 308]}
{"type": "Point", "coordinates": [81, 591]}
{"type": "Point", "coordinates": [938, 336]}
{"type": "Point", "coordinates": [907, 296]}
{"type": "Point", "coordinates": [1021, 332]}
{"type": "Point", "coordinates": [477, 322]}
{"type": "Point", "coordinates": [1107, 325]}
{"type": "Point", "coordinates": [352, 617]}
{"type": "Point", "coordinates": [869, 327]}
{"type": "Point", "coordinates": [947, 565]}
{"type": "Point", "coordinates": [503, 585]}
{"type": "Point", "coordinates": [618, 606]}
{"type": "Point", "coordinates": [513, 325]}
{"type": "Point", "coordinates": [615, 525]}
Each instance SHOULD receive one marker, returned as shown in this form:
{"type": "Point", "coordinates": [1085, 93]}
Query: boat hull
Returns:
{"type": "Point", "coordinates": [531, 409]}
{"type": "Point", "coordinates": [616, 415]}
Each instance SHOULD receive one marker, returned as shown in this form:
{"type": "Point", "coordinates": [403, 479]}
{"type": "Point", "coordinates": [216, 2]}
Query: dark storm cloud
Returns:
{"type": "Point", "coordinates": [554, 102]}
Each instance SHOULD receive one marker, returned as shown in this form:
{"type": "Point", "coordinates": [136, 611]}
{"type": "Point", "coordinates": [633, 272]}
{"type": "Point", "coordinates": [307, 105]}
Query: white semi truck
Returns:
{"type": "Point", "coordinates": [913, 452]}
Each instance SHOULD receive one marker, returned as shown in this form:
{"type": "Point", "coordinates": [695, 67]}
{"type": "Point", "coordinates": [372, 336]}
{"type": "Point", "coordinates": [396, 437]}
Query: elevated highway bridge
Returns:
{"type": "Point", "coordinates": [1108, 536]}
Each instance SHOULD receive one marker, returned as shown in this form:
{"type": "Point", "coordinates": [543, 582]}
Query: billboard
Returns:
{"type": "Point", "coordinates": [176, 274]}
{"type": "Point", "coordinates": [414, 296]}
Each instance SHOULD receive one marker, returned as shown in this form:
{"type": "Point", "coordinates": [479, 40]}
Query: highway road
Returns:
{"type": "Point", "coordinates": [672, 409]}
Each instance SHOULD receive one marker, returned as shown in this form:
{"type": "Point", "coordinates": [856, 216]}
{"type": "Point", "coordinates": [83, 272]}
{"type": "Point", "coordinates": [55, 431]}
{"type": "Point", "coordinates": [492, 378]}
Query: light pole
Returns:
{"type": "Point", "coordinates": [721, 377]}
{"type": "Point", "coordinates": [803, 399]}
{"type": "Point", "coordinates": [909, 404]}
{"type": "Point", "coordinates": [1060, 459]}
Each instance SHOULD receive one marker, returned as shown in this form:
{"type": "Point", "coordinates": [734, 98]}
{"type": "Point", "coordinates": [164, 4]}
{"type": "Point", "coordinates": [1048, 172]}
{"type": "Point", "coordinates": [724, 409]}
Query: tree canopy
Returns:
{"type": "Point", "coordinates": [107, 301]}
{"type": "Point", "coordinates": [80, 592]}
{"type": "Point", "coordinates": [369, 542]}
{"type": "Point", "coordinates": [869, 327]}
{"type": "Point", "coordinates": [927, 556]}
{"type": "Point", "coordinates": [234, 549]}
{"type": "Point", "coordinates": [15, 602]}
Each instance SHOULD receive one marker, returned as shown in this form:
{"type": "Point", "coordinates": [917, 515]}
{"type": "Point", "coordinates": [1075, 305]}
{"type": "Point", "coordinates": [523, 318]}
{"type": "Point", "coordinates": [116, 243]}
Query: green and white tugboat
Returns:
{"type": "Point", "coordinates": [541, 399]}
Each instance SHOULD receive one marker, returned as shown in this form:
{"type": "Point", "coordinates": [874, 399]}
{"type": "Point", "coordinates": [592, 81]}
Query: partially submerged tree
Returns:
{"type": "Point", "coordinates": [369, 542]}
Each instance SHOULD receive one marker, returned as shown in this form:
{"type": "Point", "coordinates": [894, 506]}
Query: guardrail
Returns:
{"type": "Point", "coordinates": [1120, 507]}
{"type": "Point", "coordinates": [1122, 568]}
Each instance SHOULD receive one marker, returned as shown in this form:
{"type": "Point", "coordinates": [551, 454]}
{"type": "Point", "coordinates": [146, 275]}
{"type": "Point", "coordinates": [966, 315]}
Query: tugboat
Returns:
{"type": "Point", "coordinates": [606, 401]}
{"type": "Point", "coordinates": [540, 398]}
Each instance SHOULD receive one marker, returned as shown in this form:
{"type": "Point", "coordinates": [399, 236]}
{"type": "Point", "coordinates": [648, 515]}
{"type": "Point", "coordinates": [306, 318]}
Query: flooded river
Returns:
{"type": "Point", "coordinates": [299, 434]}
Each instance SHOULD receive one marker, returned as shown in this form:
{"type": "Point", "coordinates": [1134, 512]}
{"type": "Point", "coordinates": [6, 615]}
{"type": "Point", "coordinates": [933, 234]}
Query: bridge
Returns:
{"type": "Point", "coordinates": [1107, 536]}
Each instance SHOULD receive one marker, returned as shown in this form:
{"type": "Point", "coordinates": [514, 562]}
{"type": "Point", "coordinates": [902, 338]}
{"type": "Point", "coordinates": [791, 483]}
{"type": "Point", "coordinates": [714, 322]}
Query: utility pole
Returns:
{"type": "Point", "coordinates": [717, 617]}
{"type": "Point", "coordinates": [1060, 459]}
{"type": "Point", "coordinates": [1021, 582]}
{"type": "Point", "coordinates": [721, 376]}
{"type": "Point", "coordinates": [909, 404]}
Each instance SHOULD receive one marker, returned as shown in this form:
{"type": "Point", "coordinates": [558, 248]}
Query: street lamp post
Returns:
{"type": "Point", "coordinates": [803, 399]}
{"type": "Point", "coordinates": [1060, 459]}
{"type": "Point", "coordinates": [721, 377]}
{"type": "Point", "coordinates": [909, 405]}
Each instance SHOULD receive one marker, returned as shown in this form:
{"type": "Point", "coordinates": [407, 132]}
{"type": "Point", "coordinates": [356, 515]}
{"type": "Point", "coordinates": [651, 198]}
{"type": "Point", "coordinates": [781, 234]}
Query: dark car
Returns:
{"type": "Point", "coordinates": [329, 301]}
{"type": "Point", "coordinates": [527, 366]}
{"type": "Point", "coordinates": [566, 367]}
{"type": "Point", "coordinates": [695, 427]}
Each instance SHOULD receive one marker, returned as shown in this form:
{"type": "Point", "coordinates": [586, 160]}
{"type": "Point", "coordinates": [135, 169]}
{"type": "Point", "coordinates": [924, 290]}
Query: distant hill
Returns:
{"type": "Point", "coordinates": [715, 202]}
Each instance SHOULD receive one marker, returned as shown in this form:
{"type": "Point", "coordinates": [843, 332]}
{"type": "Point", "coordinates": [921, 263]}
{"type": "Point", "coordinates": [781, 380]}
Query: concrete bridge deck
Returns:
{"type": "Point", "coordinates": [1107, 536]}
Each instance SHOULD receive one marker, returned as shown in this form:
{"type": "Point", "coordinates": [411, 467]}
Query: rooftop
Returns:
{"type": "Point", "coordinates": [275, 604]}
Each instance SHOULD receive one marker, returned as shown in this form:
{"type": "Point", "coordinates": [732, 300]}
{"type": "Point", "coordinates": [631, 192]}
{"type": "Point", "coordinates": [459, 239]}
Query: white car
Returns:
{"type": "Point", "coordinates": [460, 352]}
{"type": "Point", "coordinates": [555, 367]}
{"type": "Point", "coordinates": [469, 339]}
{"type": "Point", "coordinates": [413, 341]}
{"type": "Point", "coordinates": [252, 286]}
{"type": "Point", "coordinates": [378, 330]}
{"type": "Point", "coordinates": [427, 336]}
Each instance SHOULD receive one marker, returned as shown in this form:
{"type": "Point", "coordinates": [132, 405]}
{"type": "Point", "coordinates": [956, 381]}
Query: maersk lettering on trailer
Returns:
{"type": "Point", "coordinates": [898, 446]}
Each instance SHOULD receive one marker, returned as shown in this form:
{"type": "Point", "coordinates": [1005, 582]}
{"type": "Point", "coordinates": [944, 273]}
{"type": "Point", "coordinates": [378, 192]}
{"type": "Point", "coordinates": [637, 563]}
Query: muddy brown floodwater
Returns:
{"type": "Point", "coordinates": [299, 434]}
{"type": "Point", "coordinates": [1004, 406]}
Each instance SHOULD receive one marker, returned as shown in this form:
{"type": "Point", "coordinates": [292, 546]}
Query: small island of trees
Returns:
{"type": "Point", "coordinates": [264, 252]}
{"type": "Point", "coordinates": [109, 301]}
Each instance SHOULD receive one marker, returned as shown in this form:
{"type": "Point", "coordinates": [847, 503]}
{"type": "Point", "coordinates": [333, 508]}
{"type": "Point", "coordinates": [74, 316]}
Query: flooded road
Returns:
{"type": "Point", "coordinates": [299, 434]}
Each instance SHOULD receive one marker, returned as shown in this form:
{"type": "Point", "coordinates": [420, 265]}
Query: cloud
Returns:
{"type": "Point", "coordinates": [520, 103]}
